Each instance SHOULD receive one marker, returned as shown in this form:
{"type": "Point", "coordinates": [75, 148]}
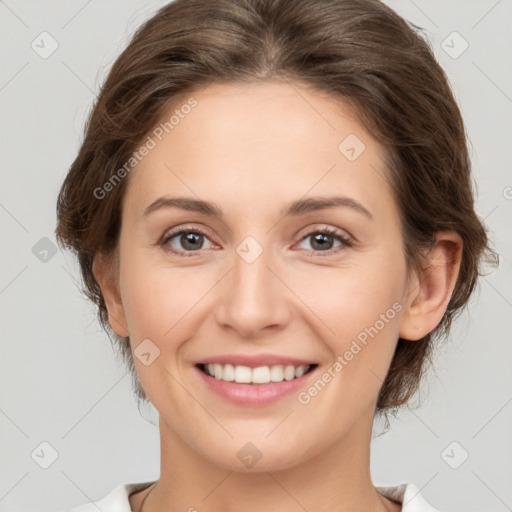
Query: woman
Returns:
{"type": "Point", "coordinates": [273, 213]}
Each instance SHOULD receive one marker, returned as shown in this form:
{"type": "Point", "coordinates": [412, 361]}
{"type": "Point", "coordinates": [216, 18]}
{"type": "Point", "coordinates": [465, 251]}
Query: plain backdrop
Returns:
{"type": "Point", "coordinates": [63, 394]}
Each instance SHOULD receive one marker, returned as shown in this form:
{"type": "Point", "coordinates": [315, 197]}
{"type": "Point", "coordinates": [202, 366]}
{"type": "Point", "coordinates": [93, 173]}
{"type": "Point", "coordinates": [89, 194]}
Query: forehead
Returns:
{"type": "Point", "coordinates": [262, 142]}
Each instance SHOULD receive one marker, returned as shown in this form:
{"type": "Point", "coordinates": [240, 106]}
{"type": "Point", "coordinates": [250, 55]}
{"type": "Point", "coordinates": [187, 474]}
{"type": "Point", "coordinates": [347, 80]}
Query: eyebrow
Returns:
{"type": "Point", "coordinates": [299, 207]}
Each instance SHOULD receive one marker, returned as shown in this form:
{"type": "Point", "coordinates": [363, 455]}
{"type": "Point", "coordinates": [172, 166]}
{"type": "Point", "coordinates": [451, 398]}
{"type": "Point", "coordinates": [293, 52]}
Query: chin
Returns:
{"type": "Point", "coordinates": [251, 459]}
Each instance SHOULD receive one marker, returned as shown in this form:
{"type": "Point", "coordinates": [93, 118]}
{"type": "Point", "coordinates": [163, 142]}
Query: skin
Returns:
{"type": "Point", "coordinates": [251, 149]}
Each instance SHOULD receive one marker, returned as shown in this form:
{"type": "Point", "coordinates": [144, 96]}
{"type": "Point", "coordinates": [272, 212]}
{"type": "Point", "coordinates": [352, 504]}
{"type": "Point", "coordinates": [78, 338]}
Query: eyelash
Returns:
{"type": "Point", "coordinates": [346, 241]}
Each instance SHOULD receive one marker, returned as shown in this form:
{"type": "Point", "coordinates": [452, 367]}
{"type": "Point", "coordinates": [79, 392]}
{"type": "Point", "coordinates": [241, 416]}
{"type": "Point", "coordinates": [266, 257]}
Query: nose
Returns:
{"type": "Point", "coordinates": [253, 299]}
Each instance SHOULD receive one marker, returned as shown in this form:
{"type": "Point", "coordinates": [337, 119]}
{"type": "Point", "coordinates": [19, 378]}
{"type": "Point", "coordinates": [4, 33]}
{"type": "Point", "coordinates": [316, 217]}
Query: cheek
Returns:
{"type": "Point", "coordinates": [350, 298]}
{"type": "Point", "coordinates": [359, 308]}
{"type": "Point", "coordinates": [359, 311]}
{"type": "Point", "coordinates": [160, 301]}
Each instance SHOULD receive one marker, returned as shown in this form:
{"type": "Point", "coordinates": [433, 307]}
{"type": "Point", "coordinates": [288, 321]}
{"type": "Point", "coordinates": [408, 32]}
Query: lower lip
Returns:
{"type": "Point", "coordinates": [254, 394]}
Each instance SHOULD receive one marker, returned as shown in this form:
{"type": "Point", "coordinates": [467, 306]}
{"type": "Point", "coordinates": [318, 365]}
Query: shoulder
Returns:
{"type": "Point", "coordinates": [116, 500]}
{"type": "Point", "coordinates": [408, 495]}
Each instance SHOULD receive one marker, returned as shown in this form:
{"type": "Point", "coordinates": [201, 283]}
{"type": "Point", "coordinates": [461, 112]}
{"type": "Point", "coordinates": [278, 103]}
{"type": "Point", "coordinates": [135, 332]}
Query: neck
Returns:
{"type": "Point", "coordinates": [337, 479]}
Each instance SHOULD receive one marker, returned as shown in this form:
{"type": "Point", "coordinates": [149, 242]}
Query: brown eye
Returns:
{"type": "Point", "coordinates": [188, 241]}
{"type": "Point", "coordinates": [324, 240]}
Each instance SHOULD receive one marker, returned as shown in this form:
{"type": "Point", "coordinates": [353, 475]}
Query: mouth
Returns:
{"type": "Point", "coordinates": [259, 375]}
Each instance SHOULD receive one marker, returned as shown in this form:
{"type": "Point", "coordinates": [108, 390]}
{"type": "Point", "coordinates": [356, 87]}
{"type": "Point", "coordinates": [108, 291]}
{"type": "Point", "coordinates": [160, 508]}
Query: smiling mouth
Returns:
{"type": "Point", "coordinates": [260, 375]}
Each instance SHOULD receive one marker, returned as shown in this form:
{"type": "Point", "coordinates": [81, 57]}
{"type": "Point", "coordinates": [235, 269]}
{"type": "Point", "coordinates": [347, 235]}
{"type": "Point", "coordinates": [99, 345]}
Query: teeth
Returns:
{"type": "Point", "coordinates": [228, 373]}
{"type": "Point", "coordinates": [299, 372]}
{"type": "Point", "coordinates": [217, 371]}
{"type": "Point", "coordinates": [242, 374]}
{"type": "Point", "coordinates": [289, 372]}
{"type": "Point", "coordinates": [259, 375]}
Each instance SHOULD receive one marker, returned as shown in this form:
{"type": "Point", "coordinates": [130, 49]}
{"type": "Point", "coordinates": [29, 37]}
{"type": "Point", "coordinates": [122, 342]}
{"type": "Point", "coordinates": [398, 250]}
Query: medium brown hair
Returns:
{"type": "Point", "coordinates": [358, 51]}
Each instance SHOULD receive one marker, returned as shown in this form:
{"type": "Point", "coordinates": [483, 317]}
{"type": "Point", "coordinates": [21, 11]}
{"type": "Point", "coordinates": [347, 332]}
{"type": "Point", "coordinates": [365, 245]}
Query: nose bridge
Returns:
{"type": "Point", "coordinates": [252, 279]}
{"type": "Point", "coordinates": [251, 267]}
{"type": "Point", "coordinates": [253, 297]}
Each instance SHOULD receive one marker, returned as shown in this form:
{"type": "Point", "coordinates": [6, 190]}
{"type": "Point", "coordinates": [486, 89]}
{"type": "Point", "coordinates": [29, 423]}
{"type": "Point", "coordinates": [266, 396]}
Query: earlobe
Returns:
{"type": "Point", "coordinates": [104, 269]}
{"type": "Point", "coordinates": [431, 290]}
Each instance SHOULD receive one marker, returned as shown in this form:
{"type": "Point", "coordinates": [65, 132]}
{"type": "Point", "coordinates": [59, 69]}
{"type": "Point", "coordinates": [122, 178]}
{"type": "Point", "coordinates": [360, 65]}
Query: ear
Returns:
{"type": "Point", "coordinates": [105, 269]}
{"type": "Point", "coordinates": [430, 290]}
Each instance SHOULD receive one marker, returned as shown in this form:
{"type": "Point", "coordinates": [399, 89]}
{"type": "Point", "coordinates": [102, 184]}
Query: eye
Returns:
{"type": "Point", "coordinates": [322, 241]}
{"type": "Point", "coordinates": [191, 240]}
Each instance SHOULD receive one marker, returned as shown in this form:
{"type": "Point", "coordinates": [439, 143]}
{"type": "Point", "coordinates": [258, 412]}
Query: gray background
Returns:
{"type": "Point", "coordinates": [60, 383]}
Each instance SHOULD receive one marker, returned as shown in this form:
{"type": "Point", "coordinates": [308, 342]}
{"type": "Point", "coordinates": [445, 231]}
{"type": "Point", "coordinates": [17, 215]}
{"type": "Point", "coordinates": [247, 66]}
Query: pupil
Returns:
{"type": "Point", "coordinates": [188, 239]}
{"type": "Point", "coordinates": [321, 240]}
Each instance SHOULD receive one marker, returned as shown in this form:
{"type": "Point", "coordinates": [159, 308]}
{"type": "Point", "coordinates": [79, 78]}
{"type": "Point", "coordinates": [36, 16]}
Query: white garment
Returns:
{"type": "Point", "coordinates": [117, 500]}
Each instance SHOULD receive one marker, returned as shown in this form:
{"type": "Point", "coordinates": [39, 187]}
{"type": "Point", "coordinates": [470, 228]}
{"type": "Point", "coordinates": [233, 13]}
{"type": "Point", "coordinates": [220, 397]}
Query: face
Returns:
{"type": "Point", "coordinates": [272, 281]}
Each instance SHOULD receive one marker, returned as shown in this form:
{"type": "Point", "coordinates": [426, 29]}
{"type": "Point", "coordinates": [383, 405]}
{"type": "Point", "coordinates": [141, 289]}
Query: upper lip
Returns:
{"type": "Point", "coordinates": [254, 361]}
